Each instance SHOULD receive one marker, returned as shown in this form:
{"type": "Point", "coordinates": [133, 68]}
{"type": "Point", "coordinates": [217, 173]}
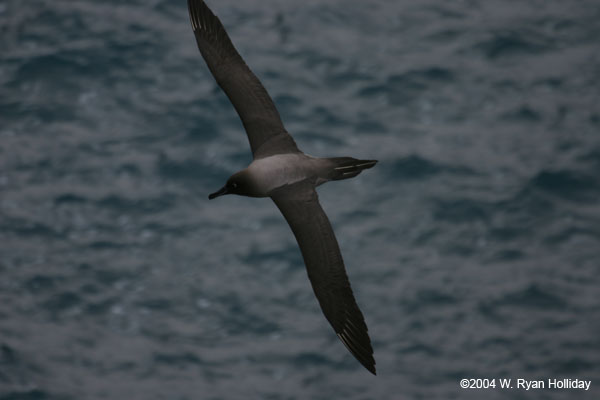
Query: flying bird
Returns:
{"type": "Point", "coordinates": [281, 171]}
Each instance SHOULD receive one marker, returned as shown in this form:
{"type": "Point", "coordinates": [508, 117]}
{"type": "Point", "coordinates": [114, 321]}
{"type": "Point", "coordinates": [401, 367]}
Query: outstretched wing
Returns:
{"type": "Point", "coordinates": [253, 104]}
{"type": "Point", "coordinates": [300, 206]}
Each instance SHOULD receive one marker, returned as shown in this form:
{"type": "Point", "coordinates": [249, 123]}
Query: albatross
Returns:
{"type": "Point", "coordinates": [281, 171]}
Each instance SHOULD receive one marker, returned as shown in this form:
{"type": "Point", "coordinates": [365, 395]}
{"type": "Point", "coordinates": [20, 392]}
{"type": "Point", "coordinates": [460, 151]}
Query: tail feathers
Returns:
{"type": "Point", "coordinates": [348, 167]}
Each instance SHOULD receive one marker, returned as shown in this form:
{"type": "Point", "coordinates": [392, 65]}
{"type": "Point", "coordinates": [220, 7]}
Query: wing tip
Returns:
{"type": "Point", "coordinates": [371, 369]}
{"type": "Point", "coordinates": [200, 14]}
{"type": "Point", "coordinates": [366, 359]}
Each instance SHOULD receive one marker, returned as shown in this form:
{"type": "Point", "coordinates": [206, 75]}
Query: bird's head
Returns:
{"type": "Point", "coordinates": [239, 183]}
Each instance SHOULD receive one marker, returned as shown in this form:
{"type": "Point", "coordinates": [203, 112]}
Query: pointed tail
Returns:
{"type": "Point", "coordinates": [348, 167]}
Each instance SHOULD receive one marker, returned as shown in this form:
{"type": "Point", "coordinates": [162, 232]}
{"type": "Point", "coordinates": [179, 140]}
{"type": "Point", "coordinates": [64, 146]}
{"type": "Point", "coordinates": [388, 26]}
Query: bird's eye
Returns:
{"type": "Point", "coordinates": [234, 185]}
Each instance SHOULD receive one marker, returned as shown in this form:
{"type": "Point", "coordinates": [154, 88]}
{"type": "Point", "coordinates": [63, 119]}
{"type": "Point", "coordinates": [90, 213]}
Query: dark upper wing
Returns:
{"type": "Point", "coordinates": [261, 120]}
{"type": "Point", "coordinates": [300, 206]}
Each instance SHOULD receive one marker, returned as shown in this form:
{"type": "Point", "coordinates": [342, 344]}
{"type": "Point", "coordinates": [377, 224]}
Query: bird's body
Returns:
{"type": "Point", "coordinates": [289, 177]}
{"type": "Point", "coordinates": [265, 175]}
{"type": "Point", "coordinates": [270, 173]}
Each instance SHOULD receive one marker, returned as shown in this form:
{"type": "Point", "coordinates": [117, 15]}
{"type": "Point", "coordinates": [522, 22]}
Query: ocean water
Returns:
{"type": "Point", "coordinates": [473, 246]}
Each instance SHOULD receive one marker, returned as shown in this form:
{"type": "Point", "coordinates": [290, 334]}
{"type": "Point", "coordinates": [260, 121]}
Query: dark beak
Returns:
{"type": "Point", "coordinates": [220, 192]}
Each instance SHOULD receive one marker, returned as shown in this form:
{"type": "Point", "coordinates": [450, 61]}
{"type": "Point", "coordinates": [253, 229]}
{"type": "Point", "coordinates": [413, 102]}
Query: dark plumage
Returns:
{"type": "Point", "coordinates": [287, 175]}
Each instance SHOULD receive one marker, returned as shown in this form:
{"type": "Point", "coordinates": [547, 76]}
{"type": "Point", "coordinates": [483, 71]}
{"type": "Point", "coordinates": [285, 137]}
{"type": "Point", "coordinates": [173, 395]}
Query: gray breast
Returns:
{"type": "Point", "coordinates": [272, 172]}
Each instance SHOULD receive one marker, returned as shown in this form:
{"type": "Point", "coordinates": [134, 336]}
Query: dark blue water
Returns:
{"type": "Point", "coordinates": [473, 246]}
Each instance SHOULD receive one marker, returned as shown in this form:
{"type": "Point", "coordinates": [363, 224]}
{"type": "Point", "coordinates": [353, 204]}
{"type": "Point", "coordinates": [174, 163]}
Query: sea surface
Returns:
{"type": "Point", "coordinates": [473, 247]}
